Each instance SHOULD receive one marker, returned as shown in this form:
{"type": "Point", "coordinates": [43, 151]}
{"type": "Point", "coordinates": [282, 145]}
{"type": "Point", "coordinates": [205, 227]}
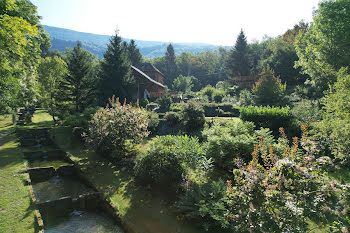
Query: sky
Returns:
{"type": "Point", "coordinates": [205, 21]}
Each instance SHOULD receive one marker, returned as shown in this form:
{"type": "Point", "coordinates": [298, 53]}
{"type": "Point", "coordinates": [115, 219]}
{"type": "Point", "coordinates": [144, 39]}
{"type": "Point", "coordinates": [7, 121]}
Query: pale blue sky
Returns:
{"type": "Point", "coordinates": [215, 21]}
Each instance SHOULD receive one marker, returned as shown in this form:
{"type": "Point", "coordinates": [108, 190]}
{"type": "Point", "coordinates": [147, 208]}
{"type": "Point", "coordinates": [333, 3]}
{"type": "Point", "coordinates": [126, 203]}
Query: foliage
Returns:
{"type": "Point", "coordinates": [143, 102]}
{"type": "Point", "coordinates": [235, 140]}
{"type": "Point", "coordinates": [169, 159]}
{"type": "Point", "coordinates": [173, 118]}
{"type": "Point", "coordinates": [193, 116]}
{"type": "Point", "coordinates": [281, 56]}
{"type": "Point", "coordinates": [276, 192]}
{"type": "Point", "coordinates": [81, 120]}
{"type": "Point", "coordinates": [268, 117]}
{"type": "Point", "coordinates": [20, 40]}
{"type": "Point", "coordinates": [153, 122]}
{"type": "Point", "coordinates": [170, 64]}
{"type": "Point", "coordinates": [79, 85]}
{"type": "Point", "coordinates": [151, 106]}
{"type": "Point", "coordinates": [307, 111]}
{"type": "Point", "coordinates": [246, 98]}
{"type": "Point", "coordinates": [269, 90]}
{"type": "Point", "coordinates": [183, 84]}
{"type": "Point", "coordinates": [134, 54]}
{"type": "Point", "coordinates": [334, 129]}
{"type": "Point", "coordinates": [164, 103]}
{"type": "Point", "coordinates": [110, 129]}
{"type": "Point", "coordinates": [325, 47]}
{"type": "Point", "coordinates": [208, 91]}
{"type": "Point", "coordinates": [51, 72]}
{"type": "Point", "coordinates": [204, 204]}
{"type": "Point", "coordinates": [116, 78]}
{"type": "Point", "coordinates": [239, 61]}
{"type": "Point", "coordinates": [218, 96]}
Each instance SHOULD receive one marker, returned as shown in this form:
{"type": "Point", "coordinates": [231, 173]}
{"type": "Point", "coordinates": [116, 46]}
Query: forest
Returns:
{"type": "Point", "coordinates": [216, 154]}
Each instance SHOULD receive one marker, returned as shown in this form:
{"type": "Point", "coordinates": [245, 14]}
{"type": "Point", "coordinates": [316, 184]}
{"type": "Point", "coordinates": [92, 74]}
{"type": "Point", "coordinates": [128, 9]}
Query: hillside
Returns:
{"type": "Point", "coordinates": [97, 44]}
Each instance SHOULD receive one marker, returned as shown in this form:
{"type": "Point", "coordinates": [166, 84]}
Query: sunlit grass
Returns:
{"type": "Point", "coordinates": [16, 211]}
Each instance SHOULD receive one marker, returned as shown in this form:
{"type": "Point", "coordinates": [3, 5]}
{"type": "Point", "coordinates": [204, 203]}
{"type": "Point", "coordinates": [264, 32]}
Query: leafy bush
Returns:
{"type": "Point", "coordinates": [268, 117]}
{"type": "Point", "coordinates": [153, 122]}
{"type": "Point", "coordinates": [175, 108]}
{"type": "Point", "coordinates": [208, 91]}
{"type": "Point", "coordinates": [151, 106]}
{"type": "Point", "coordinates": [193, 116]}
{"type": "Point", "coordinates": [164, 103]}
{"type": "Point", "coordinates": [173, 118]}
{"type": "Point", "coordinates": [275, 192]}
{"type": "Point", "coordinates": [218, 96]}
{"type": "Point", "coordinates": [334, 130]}
{"type": "Point", "coordinates": [307, 112]}
{"type": "Point", "coordinates": [169, 159]}
{"type": "Point", "coordinates": [110, 129]}
{"type": "Point", "coordinates": [269, 90]}
{"type": "Point", "coordinates": [246, 98]}
{"type": "Point", "coordinates": [143, 102]}
{"type": "Point", "coordinates": [204, 204]}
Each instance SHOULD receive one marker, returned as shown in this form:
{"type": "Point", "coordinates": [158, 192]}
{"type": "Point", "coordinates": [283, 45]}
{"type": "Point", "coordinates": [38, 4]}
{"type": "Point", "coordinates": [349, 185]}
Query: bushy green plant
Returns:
{"type": "Point", "coordinates": [193, 116]}
{"type": "Point", "coordinates": [268, 117]}
{"type": "Point", "coordinates": [110, 129]}
{"type": "Point", "coordinates": [173, 118]}
{"type": "Point", "coordinates": [218, 96]}
{"type": "Point", "coordinates": [204, 204]}
{"type": "Point", "coordinates": [169, 159]}
{"type": "Point", "coordinates": [307, 112]}
{"type": "Point", "coordinates": [153, 122]}
{"type": "Point", "coordinates": [164, 103]}
{"type": "Point", "coordinates": [275, 192]}
{"type": "Point", "coordinates": [246, 98]}
{"type": "Point", "coordinates": [143, 102]}
{"type": "Point", "coordinates": [151, 106]}
{"type": "Point", "coordinates": [208, 91]}
{"type": "Point", "coordinates": [333, 131]}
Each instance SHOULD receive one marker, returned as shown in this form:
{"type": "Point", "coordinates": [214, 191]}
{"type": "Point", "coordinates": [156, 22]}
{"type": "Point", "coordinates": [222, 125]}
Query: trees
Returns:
{"type": "Point", "coordinates": [239, 62]}
{"type": "Point", "coordinates": [79, 83]}
{"type": "Point", "coordinates": [115, 75]}
{"type": "Point", "coordinates": [134, 54]}
{"type": "Point", "coordinates": [171, 68]}
{"type": "Point", "coordinates": [269, 90]}
{"type": "Point", "coordinates": [51, 72]}
{"type": "Point", "coordinates": [183, 84]}
{"type": "Point", "coordinates": [20, 39]}
{"type": "Point", "coordinates": [335, 126]}
{"type": "Point", "coordinates": [325, 47]}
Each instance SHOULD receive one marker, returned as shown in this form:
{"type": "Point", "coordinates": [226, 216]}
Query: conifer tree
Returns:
{"type": "Point", "coordinates": [134, 54]}
{"type": "Point", "coordinates": [239, 62]}
{"type": "Point", "coordinates": [171, 68]}
{"type": "Point", "coordinates": [79, 84]}
{"type": "Point", "coordinates": [116, 78]}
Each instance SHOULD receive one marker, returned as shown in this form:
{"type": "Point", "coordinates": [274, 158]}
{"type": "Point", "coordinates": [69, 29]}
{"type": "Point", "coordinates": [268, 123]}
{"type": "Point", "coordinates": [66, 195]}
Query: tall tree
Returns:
{"type": "Point", "coordinates": [134, 54]}
{"type": "Point", "coordinates": [52, 71]}
{"type": "Point", "coordinates": [116, 78]}
{"type": "Point", "coordinates": [171, 68]}
{"type": "Point", "coordinates": [325, 47]}
{"type": "Point", "coordinates": [79, 83]}
{"type": "Point", "coordinates": [239, 62]}
{"type": "Point", "coordinates": [20, 40]}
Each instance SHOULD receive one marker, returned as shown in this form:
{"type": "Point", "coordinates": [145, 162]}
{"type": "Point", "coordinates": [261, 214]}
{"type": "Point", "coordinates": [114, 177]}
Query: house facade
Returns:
{"type": "Point", "coordinates": [149, 81]}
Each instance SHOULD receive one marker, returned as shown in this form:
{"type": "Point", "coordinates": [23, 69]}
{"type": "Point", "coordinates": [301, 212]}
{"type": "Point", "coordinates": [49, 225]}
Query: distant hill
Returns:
{"type": "Point", "coordinates": [62, 38]}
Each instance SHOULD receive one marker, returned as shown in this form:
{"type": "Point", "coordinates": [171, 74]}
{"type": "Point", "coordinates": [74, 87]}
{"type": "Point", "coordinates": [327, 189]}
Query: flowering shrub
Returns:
{"type": "Point", "coordinates": [277, 192]}
{"type": "Point", "coordinates": [110, 129]}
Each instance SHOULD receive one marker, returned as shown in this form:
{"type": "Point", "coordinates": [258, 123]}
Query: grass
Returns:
{"type": "Point", "coordinates": [222, 120]}
{"type": "Point", "coordinates": [41, 119]}
{"type": "Point", "coordinates": [142, 211]}
{"type": "Point", "coordinates": [16, 210]}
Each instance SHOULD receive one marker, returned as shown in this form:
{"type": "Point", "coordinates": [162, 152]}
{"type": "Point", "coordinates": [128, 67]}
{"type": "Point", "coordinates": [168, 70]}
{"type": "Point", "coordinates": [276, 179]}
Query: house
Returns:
{"type": "Point", "coordinates": [149, 81]}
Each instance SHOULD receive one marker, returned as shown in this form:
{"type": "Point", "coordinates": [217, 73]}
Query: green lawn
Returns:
{"type": "Point", "coordinates": [143, 212]}
{"type": "Point", "coordinates": [221, 120]}
{"type": "Point", "coordinates": [16, 210]}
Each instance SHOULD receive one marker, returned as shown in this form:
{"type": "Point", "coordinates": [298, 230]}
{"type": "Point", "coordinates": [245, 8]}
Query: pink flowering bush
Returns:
{"type": "Point", "coordinates": [110, 129]}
